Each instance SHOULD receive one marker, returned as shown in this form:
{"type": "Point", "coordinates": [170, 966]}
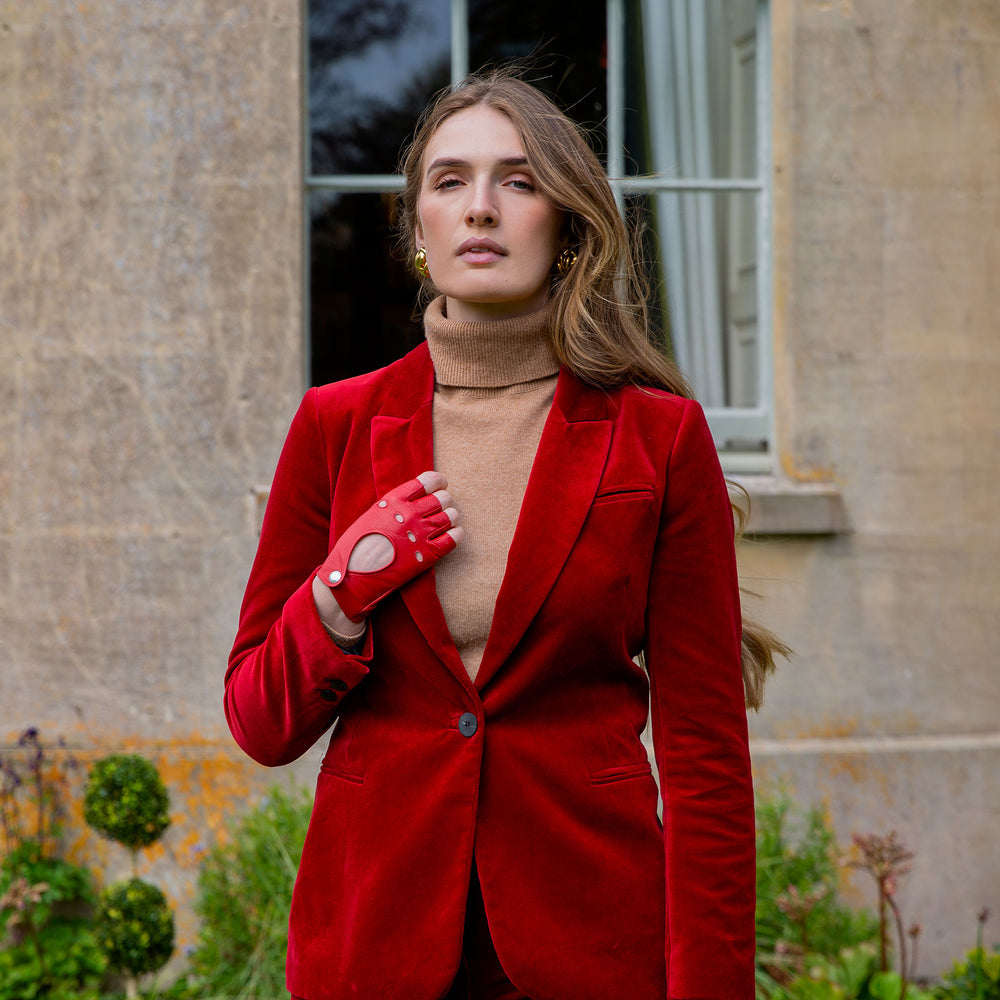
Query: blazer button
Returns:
{"type": "Point", "coordinates": [468, 724]}
{"type": "Point", "coordinates": [327, 695]}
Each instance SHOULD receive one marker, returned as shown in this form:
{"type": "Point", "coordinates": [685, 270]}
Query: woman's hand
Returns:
{"type": "Point", "coordinates": [395, 540]}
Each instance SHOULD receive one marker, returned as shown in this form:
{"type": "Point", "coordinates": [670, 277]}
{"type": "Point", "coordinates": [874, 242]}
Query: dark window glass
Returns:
{"type": "Point", "coordinates": [362, 298]}
{"type": "Point", "coordinates": [373, 65]}
{"type": "Point", "coordinates": [564, 46]}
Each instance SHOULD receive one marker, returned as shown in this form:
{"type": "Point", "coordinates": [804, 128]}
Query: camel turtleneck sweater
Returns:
{"type": "Point", "coordinates": [494, 384]}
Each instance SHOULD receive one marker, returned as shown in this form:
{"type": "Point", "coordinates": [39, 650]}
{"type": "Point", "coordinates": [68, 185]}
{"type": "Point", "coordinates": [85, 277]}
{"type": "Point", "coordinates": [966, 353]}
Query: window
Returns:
{"type": "Point", "coordinates": [675, 94]}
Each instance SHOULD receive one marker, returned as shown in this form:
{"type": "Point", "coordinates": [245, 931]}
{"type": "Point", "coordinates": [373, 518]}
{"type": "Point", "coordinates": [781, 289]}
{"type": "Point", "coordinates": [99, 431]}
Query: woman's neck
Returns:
{"type": "Point", "coordinates": [489, 354]}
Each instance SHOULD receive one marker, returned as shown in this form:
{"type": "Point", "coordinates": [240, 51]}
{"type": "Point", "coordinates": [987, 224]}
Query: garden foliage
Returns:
{"type": "Point", "coordinates": [47, 946]}
{"type": "Point", "coordinates": [126, 800]}
{"type": "Point", "coordinates": [136, 927]}
{"type": "Point", "coordinates": [975, 977]}
{"type": "Point", "coordinates": [801, 920]}
{"type": "Point", "coordinates": [53, 946]}
{"type": "Point", "coordinates": [244, 895]}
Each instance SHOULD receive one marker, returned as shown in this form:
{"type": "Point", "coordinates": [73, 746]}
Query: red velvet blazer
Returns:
{"type": "Point", "coordinates": [624, 543]}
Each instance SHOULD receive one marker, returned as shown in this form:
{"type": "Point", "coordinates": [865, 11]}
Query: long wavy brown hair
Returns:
{"type": "Point", "coordinates": [601, 329]}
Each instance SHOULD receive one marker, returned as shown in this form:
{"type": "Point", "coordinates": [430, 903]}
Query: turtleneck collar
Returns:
{"type": "Point", "coordinates": [489, 354]}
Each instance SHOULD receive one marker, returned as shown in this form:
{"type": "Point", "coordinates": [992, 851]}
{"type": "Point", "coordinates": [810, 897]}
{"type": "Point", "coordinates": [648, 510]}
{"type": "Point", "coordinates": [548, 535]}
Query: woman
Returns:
{"type": "Point", "coordinates": [485, 822]}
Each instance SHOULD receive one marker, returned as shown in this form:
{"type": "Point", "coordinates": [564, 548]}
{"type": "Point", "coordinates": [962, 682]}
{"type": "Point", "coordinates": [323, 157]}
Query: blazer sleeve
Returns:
{"type": "Point", "coordinates": [694, 630]}
{"type": "Point", "coordinates": [286, 676]}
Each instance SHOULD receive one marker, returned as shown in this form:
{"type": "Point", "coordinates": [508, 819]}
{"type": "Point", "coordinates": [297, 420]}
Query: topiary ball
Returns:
{"type": "Point", "coordinates": [126, 800]}
{"type": "Point", "coordinates": [135, 927]}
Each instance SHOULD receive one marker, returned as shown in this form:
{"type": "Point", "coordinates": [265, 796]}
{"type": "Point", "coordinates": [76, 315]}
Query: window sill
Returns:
{"type": "Point", "coordinates": [781, 506]}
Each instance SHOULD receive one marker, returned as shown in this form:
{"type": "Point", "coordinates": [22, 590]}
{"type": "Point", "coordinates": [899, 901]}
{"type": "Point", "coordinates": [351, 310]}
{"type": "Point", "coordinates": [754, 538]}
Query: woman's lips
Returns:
{"type": "Point", "coordinates": [480, 251]}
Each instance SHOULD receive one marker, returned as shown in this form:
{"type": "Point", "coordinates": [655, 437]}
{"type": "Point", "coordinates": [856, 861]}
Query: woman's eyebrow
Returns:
{"type": "Point", "coordinates": [514, 160]}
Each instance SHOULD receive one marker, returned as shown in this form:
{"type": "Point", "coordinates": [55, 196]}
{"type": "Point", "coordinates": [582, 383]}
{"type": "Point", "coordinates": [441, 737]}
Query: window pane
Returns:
{"type": "Point", "coordinates": [691, 88]}
{"type": "Point", "coordinates": [373, 65]}
{"type": "Point", "coordinates": [564, 45]}
{"type": "Point", "coordinates": [362, 298]}
{"type": "Point", "coordinates": [702, 266]}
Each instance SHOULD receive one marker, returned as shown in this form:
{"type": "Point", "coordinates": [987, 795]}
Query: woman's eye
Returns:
{"type": "Point", "coordinates": [521, 184]}
{"type": "Point", "coordinates": [446, 182]}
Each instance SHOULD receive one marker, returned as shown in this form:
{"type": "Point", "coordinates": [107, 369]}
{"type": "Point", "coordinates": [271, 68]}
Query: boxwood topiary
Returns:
{"type": "Point", "coordinates": [126, 800]}
{"type": "Point", "coordinates": [135, 927]}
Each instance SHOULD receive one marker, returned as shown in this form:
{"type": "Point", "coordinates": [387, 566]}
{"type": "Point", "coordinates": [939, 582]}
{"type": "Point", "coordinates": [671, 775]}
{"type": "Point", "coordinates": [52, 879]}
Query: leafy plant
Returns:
{"type": "Point", "coordinates": [244, 895]}
{"type": "Point", "coordinates": [977, 975]}
{"type": "Point", "coordinates": [50, 950]}
{"type": "Point", "coordinates": [851, 975]}
{"type": "Point", "coordinates": [887, 860]}
{"type": "Point", "coordinates": [33, 783]}
{"type": "Point", "coordinates": [800, 919]}
{"type": "Point", "coordinates": [837, 978]}
{"type": "Point", "coordinates": [974, 977]}
{"type": "Point", "coordinates": [60, 961]}
{"type": "Point", "coordinates": [64, 882]}
{"type": "Point", "coordinates": [126, 800]}
{"type": "Point", "coordinates": [135, 927]}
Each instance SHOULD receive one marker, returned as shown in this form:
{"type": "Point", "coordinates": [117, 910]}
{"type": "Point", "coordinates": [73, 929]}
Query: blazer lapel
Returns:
{"type": "Point", "coordinates": [564, 478]}
{"type": "Point", "coordinates": [402, 446]}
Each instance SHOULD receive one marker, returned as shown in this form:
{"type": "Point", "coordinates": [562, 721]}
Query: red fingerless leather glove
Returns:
{"type": "Point", "coordinates": [417, 528]}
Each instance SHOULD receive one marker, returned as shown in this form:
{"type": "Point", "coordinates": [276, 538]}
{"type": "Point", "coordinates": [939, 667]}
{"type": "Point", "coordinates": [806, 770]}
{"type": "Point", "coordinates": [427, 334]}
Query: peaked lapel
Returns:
{"type": "Point", "coordinates": [564, 478]}
{"type": "Point", "coordinates": [402, 446]}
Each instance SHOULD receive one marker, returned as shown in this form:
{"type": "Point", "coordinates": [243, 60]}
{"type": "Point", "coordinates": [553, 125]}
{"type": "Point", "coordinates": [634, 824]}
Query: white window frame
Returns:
{"type": "Point", "coordinates": [728, 424]}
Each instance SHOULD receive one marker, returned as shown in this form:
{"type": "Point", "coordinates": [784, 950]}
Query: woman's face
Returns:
{"type": "Point", "coordinates": [491, 237]}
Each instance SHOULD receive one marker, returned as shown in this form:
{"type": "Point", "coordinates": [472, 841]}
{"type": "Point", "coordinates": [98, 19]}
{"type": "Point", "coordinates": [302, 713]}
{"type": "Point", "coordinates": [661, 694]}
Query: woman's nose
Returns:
{"type": "Point", "coordinates": [482, 210]}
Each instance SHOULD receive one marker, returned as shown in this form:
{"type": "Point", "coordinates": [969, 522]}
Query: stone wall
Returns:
{"type": "Point", "coordinates": [887, 173]}
{"type": "Point", "coordinates": [151, 355]}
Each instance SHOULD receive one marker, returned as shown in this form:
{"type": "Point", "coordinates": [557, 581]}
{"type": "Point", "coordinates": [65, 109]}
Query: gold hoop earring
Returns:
{"type": "Point", "coordinates": [420, 263]}
{"type": "Point", "coordinates": [565, 261]}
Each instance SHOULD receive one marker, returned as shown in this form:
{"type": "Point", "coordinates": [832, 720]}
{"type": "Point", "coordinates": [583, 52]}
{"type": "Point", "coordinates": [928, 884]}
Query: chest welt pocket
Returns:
{"type": "Point", "coordinates": [626, 491]}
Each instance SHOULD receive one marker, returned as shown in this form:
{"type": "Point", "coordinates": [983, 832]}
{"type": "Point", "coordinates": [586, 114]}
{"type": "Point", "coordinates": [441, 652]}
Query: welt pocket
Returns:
{"type": "Point", "coordinates": [336, 772]}
{"type": "Point", "coordinates": [628, 491]}
{"type": "Point", "coordinates": [607, 775]}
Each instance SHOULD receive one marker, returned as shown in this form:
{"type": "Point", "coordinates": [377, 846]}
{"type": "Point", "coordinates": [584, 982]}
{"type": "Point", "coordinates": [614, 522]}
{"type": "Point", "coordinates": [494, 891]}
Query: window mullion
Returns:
{"type": "Point", "coordinates": [765, 291]}
{"type": "Point", "coordinates": [459, 41]}
{"type": "Point", "coordinates": [305, 151]}
{"type": "Point", "coordinates": [356, 183]}
{"type": "Point", "coordinates": [615, 13]}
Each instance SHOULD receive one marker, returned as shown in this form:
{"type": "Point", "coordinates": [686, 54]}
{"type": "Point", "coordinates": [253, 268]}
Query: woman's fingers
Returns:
{"type": "Point", "coordinates": [432, 481]}
{"type": "Point", "coordinates": [435, 483]}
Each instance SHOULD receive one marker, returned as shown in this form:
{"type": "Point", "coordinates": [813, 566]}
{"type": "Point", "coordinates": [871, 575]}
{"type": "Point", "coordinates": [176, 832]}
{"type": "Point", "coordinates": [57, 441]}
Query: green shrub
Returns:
{"type": "Point", "coordinates": [135, 927]}
{"type": "Point", "coordinates": [67, 964]}
{"type": "Point", "coordinates": [244, 895]}
{"type": "Point", "coordinates": [800, 918]}
{"type": "Point", "coordinates": [126, 800]}
{"type": "Point", "coordinates": [52, 951]}
{"type": "Point", "coordinates": [975, 977]}
{"type": "Point", "coordinates": [47, 947]}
